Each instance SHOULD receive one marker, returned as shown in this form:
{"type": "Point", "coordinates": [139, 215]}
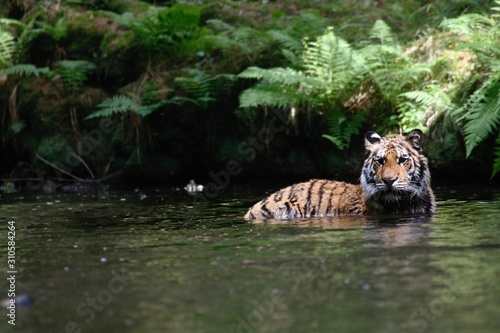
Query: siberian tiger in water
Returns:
{"type": "Point", "coordinates": [395, 179]}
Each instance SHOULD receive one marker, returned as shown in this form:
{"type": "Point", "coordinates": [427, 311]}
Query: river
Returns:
{"type": "Point", "coordinates": [161, 260]}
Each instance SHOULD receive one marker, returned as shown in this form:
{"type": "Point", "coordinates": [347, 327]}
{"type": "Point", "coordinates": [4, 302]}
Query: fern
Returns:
{"type": "Point", "coordinates": [481, 114]}
{"type": "Point", "coordinates": [203, 87]}
{"type": "Point", "coordinates": [390, 70]}
{"type": "Point", "coordinates": [172, 32]}
{"type": "Point", "coordinates": [265, 94]}
{"type": "Point", "coordinates": [341, 127]}
{"type": "Point", "coordinates": [126, 19]}
{"type": "Point", "coordinates": [120, 104]}
{"type": "Point", "coordinates": [416, 105]}
{"type": "Point", "coordinates": [383, 34]}
{"type": "Point", "coordinates": [74, 72]}
{"type": "Point", "coordinates": [279, 87]}
{"type": "Point", "coordinates": [220, 26]}
{"type": "Point", "coordinates": [333, 62]}
{"type": "Point", "coordinates": [7, 48]}
{"type": "Point", "coordinates": [25, 70]}
{"type": "Point", "coordinates": [281, 76]}
{"type": "Point", "coordinates": [114, 105]}
{"type": "Point", "coordinates": [290, 47]}
{"type": "Point", "coordinates": [58, 31]}
{"type": "Point", "coordinates": [479, 117]}
{"type": "Point", "coordinates": [332, 72]}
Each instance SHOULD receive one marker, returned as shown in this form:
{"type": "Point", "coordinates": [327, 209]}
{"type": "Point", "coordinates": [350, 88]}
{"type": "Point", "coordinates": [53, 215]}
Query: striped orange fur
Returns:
{"type": "Point", "coordinates": [395, 179]}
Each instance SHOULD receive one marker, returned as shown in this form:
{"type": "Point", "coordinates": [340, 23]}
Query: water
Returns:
{"type": "Point", "coordinates": [160, 261]}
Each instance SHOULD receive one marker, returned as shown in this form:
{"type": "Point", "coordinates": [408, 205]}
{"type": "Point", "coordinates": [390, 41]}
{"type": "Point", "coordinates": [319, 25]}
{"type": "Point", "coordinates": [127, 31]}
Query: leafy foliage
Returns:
{"type": "Point", "coordinates": [170, 32]}
{"type": "Point", "coordinates": [335, 80]}
{"type": "Point", "coordinates": [201, 87]}
{"type": "Point", "coordinates": [279, 87]}
{"type": "Point", "coordinates": [25, 70]}
{"type": "Point", "coordinates": [59, 30]}
{"type": "Point", "coordinates": [120, 104]}
{"type": "Point", "coordinates": [7, 47]}
{"type": "Point", "coordinates": [337, 68]}
{"type": "Point", "coordinates": [341, 127]}
{"type": "Point", "coordinates": [74, 72]}
{"type": "Point", "coordinates": [333, 73]}
{"type": "Point", "coordinates": [479, 116]}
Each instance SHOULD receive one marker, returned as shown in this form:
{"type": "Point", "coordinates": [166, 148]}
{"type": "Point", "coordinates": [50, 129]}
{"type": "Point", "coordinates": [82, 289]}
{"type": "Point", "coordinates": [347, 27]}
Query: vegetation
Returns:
{"type": "Point", "coordinates": [174, 89]}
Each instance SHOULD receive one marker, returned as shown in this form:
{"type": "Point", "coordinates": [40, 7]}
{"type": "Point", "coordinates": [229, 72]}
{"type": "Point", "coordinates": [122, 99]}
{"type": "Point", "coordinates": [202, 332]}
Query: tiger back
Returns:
{"type": "Point", "coordinates": [395, 179]}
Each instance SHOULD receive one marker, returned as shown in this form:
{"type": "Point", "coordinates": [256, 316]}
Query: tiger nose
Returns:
{"type": "Point", "coordinates": [389, 180]}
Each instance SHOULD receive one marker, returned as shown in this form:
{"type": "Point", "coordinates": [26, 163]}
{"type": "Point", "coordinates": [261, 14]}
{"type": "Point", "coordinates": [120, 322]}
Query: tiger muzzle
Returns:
{"type": "Point", "coordinates": [389, 180]}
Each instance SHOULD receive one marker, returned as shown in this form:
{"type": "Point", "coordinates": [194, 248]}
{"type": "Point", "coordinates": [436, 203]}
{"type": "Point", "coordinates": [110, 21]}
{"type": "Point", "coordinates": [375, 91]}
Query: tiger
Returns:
{"type": "Point", "coordinates": [395, 179]}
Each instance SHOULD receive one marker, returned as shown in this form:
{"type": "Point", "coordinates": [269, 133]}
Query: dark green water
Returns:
{"type": "Point", "coordinates": [162, 262]}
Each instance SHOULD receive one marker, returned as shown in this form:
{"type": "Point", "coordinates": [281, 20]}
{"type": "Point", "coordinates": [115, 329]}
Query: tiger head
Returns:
{"type": "Point", "coordinates": [395, 175]}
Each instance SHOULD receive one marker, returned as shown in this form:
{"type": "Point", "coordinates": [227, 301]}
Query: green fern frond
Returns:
{"type": "Point", "coordinates": [57, 31]}
{"type": "Point", "coordinates": [338, 68]}
{"type": "Point", "coordinates": [481, 121]}
{"type": "Point", "coordinates": [114, 105]}
{"type": "Point", "coordinates": [423, 98]}
{"type": "Point", "coordinates": [482, 34]}
{"type": "Point", "coordinates": [25, 70]}
{"type": "Point", "coordinates": [431, 98]}
{"type": "Point", "coordinates": [120, 104]}
{"type": "Point", "coordinates": [204, 87]}
{"type": "Point", "coordinates": [290, 47]}
{"type": "Point", "coordinates": [125, 19]}
{"type": "Point", "coordinates": [283, 76]}
{"type": "Point", "coordinates": [7, 48]}
{"type": "Point", "coordinates": [469, 24]}
{"type": "Point", "coordinates": [74, 72]}
{"type": "Point", "coordinates": [220, 26]}
{"type": "Point", "coordinates": [144, 110]}
{"type": "Point", "coordinates": [265, 94]}
{"type": "Point", "coordinates": [383, 33]}
{"type": "Point", "coordinates": [480, 115]}
{"type": "Point", "coordinates": [342, 127]}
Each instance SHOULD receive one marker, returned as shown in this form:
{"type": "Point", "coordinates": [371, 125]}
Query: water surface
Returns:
{"type": "Point", "coordinates": [164, 261]}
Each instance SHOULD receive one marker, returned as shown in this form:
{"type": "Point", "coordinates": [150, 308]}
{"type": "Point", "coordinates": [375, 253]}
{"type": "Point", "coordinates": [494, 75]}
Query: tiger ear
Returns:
{"type": "Point", "coordinates": [372, 138]}
{"type": "Point", "coordinates": [416, 138]}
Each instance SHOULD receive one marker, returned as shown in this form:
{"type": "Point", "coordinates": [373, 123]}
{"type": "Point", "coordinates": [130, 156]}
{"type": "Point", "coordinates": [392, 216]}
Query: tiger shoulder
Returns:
{"type": "Point", "coordinates": [395, 179]}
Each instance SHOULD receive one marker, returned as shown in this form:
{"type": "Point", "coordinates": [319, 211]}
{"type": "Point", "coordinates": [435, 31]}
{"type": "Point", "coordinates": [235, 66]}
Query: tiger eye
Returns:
{"type": "Point", "coordinates": [402, 160]}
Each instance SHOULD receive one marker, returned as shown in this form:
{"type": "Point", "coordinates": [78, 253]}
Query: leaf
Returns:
{"type": "Point", "coordinates": [481, 121]}
{"type": "Point", "coordinates": [480, 115]}
{"type": "Point", "coordinates": [74, 72]}
{"type": "Point", "coordinates": [342, 127]}
{"type": "Point", "coordinates": [383, 33]}
{"type": "Point", "coordinates": [267, 95]}
{"type": "Point", "coordinates": [122, 104]}
{"type": "Point", "coordinates": [25, 70]}
{"type": "Point", "coordinates": [7, 48]}
{"type": "Point", "coordinates": [203, 88]}
{"type": "Point", "coordinates": [114, 105]}
{"type": "Point", "coordinates": [18, 127]}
